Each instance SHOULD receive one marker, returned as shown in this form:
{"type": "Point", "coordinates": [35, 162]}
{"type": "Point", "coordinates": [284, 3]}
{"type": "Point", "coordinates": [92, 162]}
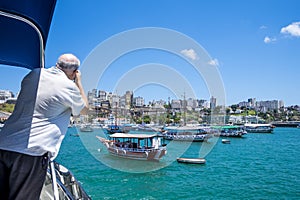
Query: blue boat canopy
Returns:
{"type": "Point", "coordinates": [24, 28]}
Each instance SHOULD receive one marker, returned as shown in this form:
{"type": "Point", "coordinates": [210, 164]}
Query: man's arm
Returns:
{"type": "Point", "coordinates": [78, 83]}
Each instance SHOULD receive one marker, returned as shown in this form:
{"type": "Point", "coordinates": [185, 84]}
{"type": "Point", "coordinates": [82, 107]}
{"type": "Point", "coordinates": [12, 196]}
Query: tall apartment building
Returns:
{"type": "Point", "coordinates": [114, 100]}
{"type": "Point", "coordinates": [213, 102]}
{"type": "Point", "coordinates": [128, 99]}
{"type": "Point", "coordinates": [138, 101]}
{"type": "Point", "coordinates": [252, 102]}
{"type": "Point", "coordinates": [176, 104]}
{"type": "Point", "coordinates": [159, 103]}
{"type": "Point", "coordinates": [264, 106]}
{"type": "Point", "coordinates": [191, 104]}
{"type": "Point", "coordinates": [102, 95]}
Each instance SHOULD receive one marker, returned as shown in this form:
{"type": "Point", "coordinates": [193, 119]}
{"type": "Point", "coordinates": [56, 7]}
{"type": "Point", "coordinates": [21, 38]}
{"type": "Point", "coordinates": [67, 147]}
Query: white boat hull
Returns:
{"type": "Point", "coordinates": [191, 160]}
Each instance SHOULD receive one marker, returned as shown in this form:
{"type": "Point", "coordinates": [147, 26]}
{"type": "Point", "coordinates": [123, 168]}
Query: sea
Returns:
{"type": "Point", "coordinates": [257, 166]}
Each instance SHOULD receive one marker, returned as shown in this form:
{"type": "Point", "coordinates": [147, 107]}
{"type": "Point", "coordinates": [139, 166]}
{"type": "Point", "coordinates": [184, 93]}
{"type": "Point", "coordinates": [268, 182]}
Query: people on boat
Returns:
{"type": "Point", "coordinates": [33, 133]}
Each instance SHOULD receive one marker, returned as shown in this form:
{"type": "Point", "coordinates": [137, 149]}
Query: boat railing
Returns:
{"type": "Point", "coordinates": [68, 187]}
{"type": "Point", "coordinates": [138, 150]}
{"type": "Point", "coordinates": [189, 136]}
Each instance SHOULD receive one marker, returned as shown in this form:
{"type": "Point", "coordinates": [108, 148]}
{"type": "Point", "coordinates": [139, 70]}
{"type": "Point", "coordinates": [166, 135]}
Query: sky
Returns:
{"type": "Point", "coordinates": [253, 47]}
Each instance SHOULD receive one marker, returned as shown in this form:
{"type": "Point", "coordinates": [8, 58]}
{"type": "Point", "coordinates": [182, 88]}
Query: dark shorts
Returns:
{"type": "Point", "coordinates": [21, 176]}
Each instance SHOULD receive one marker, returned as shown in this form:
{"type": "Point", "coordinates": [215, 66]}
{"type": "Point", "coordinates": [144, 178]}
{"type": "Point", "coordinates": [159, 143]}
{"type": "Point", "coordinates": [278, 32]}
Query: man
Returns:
{"type": "Point", "coordinates": [36, 128]}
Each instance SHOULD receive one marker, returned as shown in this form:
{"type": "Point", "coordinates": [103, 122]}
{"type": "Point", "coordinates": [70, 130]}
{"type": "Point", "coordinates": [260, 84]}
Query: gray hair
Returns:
{"type": "Point", "coordinates": [68, 61]}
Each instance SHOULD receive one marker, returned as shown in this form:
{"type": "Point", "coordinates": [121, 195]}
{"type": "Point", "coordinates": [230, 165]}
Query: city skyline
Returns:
{"type": "Point", "coordinates": [212, 102]}
{"type": "Point", "coordinates": [5, 94]}
{"type": "Point", "coordinates": [254, 46]}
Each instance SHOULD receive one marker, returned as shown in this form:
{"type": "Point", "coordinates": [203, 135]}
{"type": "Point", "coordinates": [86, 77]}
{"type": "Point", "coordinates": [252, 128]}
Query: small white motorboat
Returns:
{"type": "Point", "coordinates": [191, 160]}
{"type": "Point", "coordinates": [225, 141]}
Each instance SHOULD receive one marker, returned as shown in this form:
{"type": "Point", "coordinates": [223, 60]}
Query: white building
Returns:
{"type": "Point", "coordinates": [4, 95]}
{"type": "Point", "coordinates": [265, 106]}
{"type": "Point", "coordinates": [138, 101]}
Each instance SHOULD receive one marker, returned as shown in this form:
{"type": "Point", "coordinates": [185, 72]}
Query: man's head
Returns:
{"type": "Point", "coordinates": [69, 64]}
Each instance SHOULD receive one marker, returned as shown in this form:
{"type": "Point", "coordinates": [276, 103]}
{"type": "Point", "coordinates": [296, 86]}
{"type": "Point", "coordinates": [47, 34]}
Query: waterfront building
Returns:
{"type": "Point", "coordinates": [102, 95]}
{"type": "Point", "coordinates": [244, 104]}
{"type": "Point", "coordinates": [92, 98]}
{"type": "Point", "coordinates": [213, 103]}
{"type": "Point", "coordinates": [93, 93]}
{"type": "Point", "coordinates": [11, 100]}
{"type": "Point", "coordinates": [176, 104]}
{"type": "Point", "coordinates": [114, 100]}
{"type": "Point", "coordinates": [128, 99]}
{"type": "Point", "coordinates": [191, 104]}
{"type": "Point", "coordinates": [4, 95]}
{"type": "Point", "coordinates": [138, 101]}
{"type": "Point", "coordinates": [252, 102]}
{"type": "Point", "coordinates": [281, 104]}
{"type": "Point", "coordinates": [202, 103]}
{"type": "Point", "coordinates": [264, 106]}
{"type": "Point", "coordinates": [159, 104]}
{"type": "Point", "coordinates": [123, 101]}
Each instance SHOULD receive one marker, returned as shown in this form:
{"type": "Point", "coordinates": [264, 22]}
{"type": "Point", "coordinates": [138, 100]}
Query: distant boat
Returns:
{"type": "Point", "coordinates": [225, 141]}
{"type": "Point", "coordinates": [229, 131]}
{"type": "Point", "coordinates": [142, 128]}
{"type": "Point", "coordinates": [111, 129]}
{"type": "Point", "coordinates": [187, 133]}
{"type": "Point", "coordinates": [191, 160]}
{"type": "Point", "coordinates": [86, 128]}
{"type": "Point", "coordinates": [259, 128]}
{"type": "Point", "coordinates": [135, 146]}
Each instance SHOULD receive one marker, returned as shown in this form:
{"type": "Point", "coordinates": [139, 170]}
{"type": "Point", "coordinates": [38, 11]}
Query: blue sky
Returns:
{"type": "Point", "coordinates": [255, 44]}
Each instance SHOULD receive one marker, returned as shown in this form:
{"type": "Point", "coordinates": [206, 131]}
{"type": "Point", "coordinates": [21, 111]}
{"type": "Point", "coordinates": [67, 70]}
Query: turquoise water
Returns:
{"type": "Point", "coordinates": [259, 166]}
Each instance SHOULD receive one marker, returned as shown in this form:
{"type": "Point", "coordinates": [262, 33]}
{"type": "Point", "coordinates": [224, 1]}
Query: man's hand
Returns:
{"type": "Point", "coordinates": [77, 76]}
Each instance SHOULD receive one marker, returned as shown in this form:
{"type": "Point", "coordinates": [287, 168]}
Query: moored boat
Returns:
{"type": "Point", "coordinates": [259, 128]}
{"type": "Point", "coordinates": [191, 160]}
{"type": "Point", "coordinates": [193, 134]}
{"type": "Point", "coordinates": [111, 129]}
{"type": "Point", "coordinates": [86, 128]}
{"type": "Point", "coordinates": [135, 146]}
{"type": "Point", "coordinates": [142, 128]}
{"type": "Point", "coordinates": [225, 141]}
{"type": "Point", "coordinates": [229, 131]}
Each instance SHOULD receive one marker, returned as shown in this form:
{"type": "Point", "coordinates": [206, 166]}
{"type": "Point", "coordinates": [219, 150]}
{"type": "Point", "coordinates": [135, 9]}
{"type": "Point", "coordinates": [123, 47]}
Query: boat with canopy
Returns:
{"type": "Point", "coordinates": [135, 146]}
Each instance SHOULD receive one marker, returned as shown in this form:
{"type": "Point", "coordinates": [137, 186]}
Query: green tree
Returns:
{"type": "Point", "coordinates": [7, 107]}
{"type": "Point", "coordinates": [147, 119]}
{"type": "Point", "coordinates": [234, 107]}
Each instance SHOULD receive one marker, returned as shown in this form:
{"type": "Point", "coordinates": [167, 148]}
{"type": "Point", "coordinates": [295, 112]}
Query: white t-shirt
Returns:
{"type": "Point", "coordinates": [42, 113]}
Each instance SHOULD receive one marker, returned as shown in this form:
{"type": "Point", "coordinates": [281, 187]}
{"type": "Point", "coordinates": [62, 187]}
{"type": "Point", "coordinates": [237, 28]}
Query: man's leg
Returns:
{"type": "Point", "coordinates": [4, 173]}
{"type": "Point", "coordinates": [27, 176]}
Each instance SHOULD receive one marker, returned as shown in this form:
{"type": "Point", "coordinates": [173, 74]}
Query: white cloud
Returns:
{"type": "Point", "coordinates": [269, 40]}
{"type": "Point", "coordinates": [190, 53]}
{"type": "Point", "coordinates": [292, 29]}
{"type": "Point", "coordinates": [214, 62]}
{"type": "Point", "coordinates": [263, 27]}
